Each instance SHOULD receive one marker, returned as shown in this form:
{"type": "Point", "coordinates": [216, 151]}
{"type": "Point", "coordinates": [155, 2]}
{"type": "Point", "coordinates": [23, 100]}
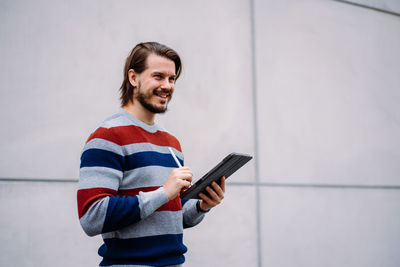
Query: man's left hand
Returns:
{"type": "Point", "coordinates": [215, 195]}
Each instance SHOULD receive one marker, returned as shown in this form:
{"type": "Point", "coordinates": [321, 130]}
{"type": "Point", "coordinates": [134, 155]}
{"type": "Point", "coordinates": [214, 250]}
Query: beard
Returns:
{"type": "Point", "coordinates": [145, 100]}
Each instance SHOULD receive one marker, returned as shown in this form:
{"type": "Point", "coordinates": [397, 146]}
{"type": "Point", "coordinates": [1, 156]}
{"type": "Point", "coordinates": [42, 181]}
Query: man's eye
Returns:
{"type": "Point", "coordinates": [172, 80]}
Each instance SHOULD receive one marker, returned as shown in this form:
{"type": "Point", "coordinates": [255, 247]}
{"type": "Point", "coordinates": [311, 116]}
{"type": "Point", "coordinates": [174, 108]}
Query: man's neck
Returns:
{"type": "Point", "coordinates": [140, 112]}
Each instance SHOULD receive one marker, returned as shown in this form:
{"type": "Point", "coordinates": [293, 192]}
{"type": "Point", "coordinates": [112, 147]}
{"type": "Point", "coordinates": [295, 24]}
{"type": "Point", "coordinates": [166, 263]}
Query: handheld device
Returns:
{"type": "Point", "coordinates": [226, 167]}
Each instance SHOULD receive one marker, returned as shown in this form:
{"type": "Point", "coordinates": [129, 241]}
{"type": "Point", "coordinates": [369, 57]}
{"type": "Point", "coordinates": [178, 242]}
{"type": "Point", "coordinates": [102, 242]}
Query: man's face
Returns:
{"type": "Point", "coordinates": [155, 85]}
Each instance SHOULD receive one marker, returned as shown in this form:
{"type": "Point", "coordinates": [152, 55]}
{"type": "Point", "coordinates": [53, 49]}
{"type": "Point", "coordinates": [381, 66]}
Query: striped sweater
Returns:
{"type": "Point", "coordinates": [124, 165]}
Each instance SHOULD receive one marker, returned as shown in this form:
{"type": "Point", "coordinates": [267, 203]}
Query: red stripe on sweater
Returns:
{"type": "Point", "coordinates": [172, 205]}
{"type": "Point", "coordinates": [87, 197]}
{"type": "Point", "coordinates": [125, 135]}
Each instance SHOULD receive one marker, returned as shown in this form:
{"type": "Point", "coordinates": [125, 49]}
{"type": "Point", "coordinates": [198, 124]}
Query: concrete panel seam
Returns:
{"type": "Point", "coordinates": [341, 186]}
{"type": "Point", "coordinates": [255, 129]}
{"type": "Point", "coordinates": [257, 184]}
{"type": "Point", "coordinates": [45, 180]}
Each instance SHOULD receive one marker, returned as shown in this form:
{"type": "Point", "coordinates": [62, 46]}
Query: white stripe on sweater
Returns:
{"type": "Point", "coordinates": [158, 223]}
{"type": "Point", "coordinates": [91, 177]}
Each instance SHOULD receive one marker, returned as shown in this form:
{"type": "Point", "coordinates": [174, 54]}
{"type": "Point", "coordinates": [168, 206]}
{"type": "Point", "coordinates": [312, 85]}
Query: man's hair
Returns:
{"type": "Point", "coordinates": [137, 60]}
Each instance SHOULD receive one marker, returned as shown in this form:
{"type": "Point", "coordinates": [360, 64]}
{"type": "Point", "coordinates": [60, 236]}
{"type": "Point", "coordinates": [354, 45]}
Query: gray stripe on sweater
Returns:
{"type": "Point", "coordinates": [159, 223]}
{"type": "Point", "coordinates": [190, 215]}
{"type": "Point", "coordinates": [99, 143]}
{"type": "Point", "coordinates": [93, 220]}
{"type": "Point", "coordinates": [145, 176]}
{"type": "Point", "coordinates": [91, 177]}
{"type": "Point", "coordinates": [124, 118]}
{"type": "Point", "coordinates": [150, 201]}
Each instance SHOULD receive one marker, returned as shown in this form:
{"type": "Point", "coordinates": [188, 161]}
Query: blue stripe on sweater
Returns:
{"type": "Point", "coordinates": [160, 250]}
{"type": "Point", "coordinates": [121, 212]}
{"type": "Point", "coordinates": [103, 158]}
{"type": "Point", "coordinates": [183, 201]}
{"type": "Point", "coordinates": [150, 158]}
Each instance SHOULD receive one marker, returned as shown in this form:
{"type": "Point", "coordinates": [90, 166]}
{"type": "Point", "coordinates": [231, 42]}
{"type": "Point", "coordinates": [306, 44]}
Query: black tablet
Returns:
{"type": "Point", "coordinates": [226, 167]}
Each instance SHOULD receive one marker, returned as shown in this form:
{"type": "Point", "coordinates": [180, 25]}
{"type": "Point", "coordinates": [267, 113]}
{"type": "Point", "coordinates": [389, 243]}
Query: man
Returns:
{"type": "Point", "coordinates": [129, 183]}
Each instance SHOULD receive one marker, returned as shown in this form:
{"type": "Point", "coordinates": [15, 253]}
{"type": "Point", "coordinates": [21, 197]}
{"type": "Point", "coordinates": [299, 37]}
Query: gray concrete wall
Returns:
{"type": "Point", "coordinates": [310, 88]}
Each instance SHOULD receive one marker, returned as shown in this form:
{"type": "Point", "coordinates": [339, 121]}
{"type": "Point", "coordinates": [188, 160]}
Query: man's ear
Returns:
{"type": "Point", "coordinates": [133, 77]}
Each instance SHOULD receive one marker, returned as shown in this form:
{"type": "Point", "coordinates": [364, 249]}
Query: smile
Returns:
{"type": "Point", "coordinates": [162, 93]}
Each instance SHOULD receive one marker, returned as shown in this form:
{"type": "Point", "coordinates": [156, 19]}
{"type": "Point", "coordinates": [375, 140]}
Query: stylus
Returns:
{"type": "Point", "coordinates": [175, 158]}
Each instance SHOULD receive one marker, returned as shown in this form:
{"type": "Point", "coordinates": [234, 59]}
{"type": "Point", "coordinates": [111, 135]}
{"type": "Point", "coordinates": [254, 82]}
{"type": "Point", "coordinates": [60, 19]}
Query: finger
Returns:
{"type": "Point", "coordinates": [218, 190]}
{"type": "Point", "coordinates": [207, 200]}
{"type": "Point", "coordinates": [214, 197]}
{"type": "Point", "coordinates": [186, 172]}
{"type": "Point", "coordinates": [222, 183]}
{"type": "Point", "coordinates": [186, 178]}
{"type": "Point", "coordinates": [185, 184]}
{"type": "Point", "coordinates": [184, 175]}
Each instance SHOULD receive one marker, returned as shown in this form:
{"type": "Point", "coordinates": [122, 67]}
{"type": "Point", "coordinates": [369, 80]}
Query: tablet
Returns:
{"type": "Point", "coordinates": [226, 167]}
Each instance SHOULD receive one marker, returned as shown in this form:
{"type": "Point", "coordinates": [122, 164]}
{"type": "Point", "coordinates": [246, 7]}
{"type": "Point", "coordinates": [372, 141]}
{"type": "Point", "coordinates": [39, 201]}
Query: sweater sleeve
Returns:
{"type": "Point", "coordinates": [191, 217]}
{"type": "Point", "coordinates": [100, 208]}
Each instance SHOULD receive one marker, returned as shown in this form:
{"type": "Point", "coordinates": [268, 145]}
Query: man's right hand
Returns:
{"type": "Point", "coordinates": [178, 180]}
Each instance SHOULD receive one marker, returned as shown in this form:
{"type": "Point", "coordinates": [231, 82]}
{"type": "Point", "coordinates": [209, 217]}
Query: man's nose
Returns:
{"type": "Point", "coordinates": [167, 84]}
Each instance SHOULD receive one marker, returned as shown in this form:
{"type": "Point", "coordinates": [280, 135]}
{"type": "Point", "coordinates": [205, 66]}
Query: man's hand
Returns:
{"type": "Point", "coordinates": [216, 194]}
{"type": "Point", "coordinates": [178, 180]}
